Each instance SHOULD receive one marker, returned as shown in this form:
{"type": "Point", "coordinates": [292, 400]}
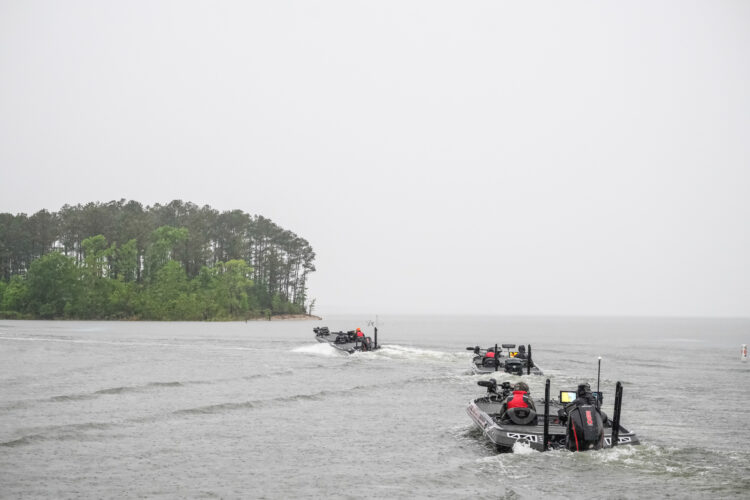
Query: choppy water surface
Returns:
{"type": "Point", "coordinates": [259, 409]}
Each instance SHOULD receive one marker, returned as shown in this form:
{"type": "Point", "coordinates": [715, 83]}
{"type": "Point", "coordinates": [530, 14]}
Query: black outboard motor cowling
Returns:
{"type": "Point", "coordinates": [489, 362]}
{"type": "Point", "coordinates": [514, 366]}
{"type": "Point", "coordinates": [585, 428]}
{"type": "Point", "coordinates": [367, 344]}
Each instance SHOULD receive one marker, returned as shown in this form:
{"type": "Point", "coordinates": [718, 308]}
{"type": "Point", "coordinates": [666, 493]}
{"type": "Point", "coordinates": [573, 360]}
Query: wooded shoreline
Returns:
{"type": "Point", "coordinates": [179, 261]}
{"type": "Point", "coordinates": [278, 317]}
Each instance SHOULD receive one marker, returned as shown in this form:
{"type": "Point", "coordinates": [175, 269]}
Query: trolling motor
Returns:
{"type": "Point", "coordinates": [492, 386]}
{"type": "Point", "coordinates": [585, 428]}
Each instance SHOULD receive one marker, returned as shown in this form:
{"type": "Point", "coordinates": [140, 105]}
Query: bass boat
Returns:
{"type": "Point", "coordinates": [573, 421]}
{"type": "Point", "coordinates": [347, 341]}
{"type": "Point", "coordinates": [493, 359]}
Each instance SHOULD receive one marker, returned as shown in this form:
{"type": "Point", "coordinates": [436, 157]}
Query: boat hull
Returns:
{"type": "Point", "coordinates": [504, 436]}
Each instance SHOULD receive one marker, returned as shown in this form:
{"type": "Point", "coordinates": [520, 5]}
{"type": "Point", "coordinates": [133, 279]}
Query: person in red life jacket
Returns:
{"type": "Point", "coordinates": [360, 339]}
{"type": "Point", "coordinates": [489, 354]}
{"type": "Point", "coordinates": [519, 399]}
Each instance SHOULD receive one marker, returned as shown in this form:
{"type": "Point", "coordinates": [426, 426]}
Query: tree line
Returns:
{"type": "Point", "coordinates": [174, 261]}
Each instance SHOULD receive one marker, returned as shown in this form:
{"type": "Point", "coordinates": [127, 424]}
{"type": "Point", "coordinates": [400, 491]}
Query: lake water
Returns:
{"type": "Point", "coordinates": [261, 410]}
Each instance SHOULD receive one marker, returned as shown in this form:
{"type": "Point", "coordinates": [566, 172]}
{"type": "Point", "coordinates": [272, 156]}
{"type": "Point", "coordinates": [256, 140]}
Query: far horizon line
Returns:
{"type": "Point", "coordinates": [537, 316]}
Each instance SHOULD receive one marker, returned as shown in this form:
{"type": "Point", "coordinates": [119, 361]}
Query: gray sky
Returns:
{"type": "Point", "coordinates": [443, 157]}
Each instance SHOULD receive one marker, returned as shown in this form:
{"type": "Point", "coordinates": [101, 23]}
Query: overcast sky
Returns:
{"type": "Point", "coordinates": [487, 157]}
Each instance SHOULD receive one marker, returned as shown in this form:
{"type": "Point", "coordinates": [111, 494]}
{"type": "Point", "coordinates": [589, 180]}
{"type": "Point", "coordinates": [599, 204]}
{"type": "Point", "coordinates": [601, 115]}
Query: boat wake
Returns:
{"type": "Point", "coordinates": [398, 352]}
{"type": "Point", "coordinates": [319, 349]}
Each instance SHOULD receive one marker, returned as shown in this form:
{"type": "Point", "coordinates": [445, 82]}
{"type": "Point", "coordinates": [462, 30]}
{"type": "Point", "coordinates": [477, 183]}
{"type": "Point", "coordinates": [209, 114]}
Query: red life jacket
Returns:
{"type": "Point", "coordinates": [490, 354]}
{"type": "Point", "coordinates": [360, 334]}
{"type": "Point", "coordinates": [517, 401]}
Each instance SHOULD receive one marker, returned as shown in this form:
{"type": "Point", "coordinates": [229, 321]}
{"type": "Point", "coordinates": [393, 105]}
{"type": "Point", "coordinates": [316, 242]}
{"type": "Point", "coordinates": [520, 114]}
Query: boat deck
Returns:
{"type": "Point", "coordinates": [493, 408]}
{"type": "Point", "coordinates": [478, 367]}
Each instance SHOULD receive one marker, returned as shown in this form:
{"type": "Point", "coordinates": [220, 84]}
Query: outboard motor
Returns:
{"type": "Point", "coordinates": [342, 338]}
{"type": "Point", "coordinates": [491, 362]}
{"type": "Point", "coordinates": [321, 330]}
{"type": "Point", "coordinates": [514, 366]}
{"type": "Point", "coordinates": [585, 429]}
{"type": "Point", "coordinates": [367, 344]}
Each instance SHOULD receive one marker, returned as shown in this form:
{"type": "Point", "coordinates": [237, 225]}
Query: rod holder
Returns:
{"type": "Point", "coordinates": [616, 419]}
{"type": "Point", "coordinates": [528, 361]}
{"type": "Point", "coordinates": [545, 437]}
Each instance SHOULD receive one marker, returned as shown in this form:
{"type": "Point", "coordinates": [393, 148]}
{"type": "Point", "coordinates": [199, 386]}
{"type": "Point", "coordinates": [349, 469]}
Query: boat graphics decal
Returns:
{"type": "Point", "coordinates": [533, 438]}
{"type": "Point", "coordinates": [479, 416]}
{"type": "Point", "coordinates": [620, 439]}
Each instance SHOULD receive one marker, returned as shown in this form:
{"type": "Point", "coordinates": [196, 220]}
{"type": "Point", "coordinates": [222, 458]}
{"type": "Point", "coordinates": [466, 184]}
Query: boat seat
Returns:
{"type": "Point", "coordinates": [521, 416]}
{"type": "Point", "coordinates": [488, 362]}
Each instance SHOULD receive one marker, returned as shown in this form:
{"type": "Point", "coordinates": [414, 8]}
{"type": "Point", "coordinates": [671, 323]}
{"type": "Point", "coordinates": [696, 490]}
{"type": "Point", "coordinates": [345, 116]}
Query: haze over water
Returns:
{"type": "Point", "coordinates": [260, 410]}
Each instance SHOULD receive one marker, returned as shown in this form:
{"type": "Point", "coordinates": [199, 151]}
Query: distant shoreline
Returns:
{"type": "Point", "coordinates": [277, 317]}
{"type": "Point", "coordinates": [287, 317]}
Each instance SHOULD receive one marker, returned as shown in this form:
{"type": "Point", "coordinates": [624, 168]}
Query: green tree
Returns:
{"type": "Point", "coordinates": [125, 262]}
{"type": "Point", "coordinates": [16, 295]}
{"type": "Point", "coordinates": [52, 285]}
{"type": "Point", "coordinates": [96, 255]}
{"type": "Point", "coordinates": [122, 299]}
{"type": "Point", "coordinates": [94, 299]}
{"type": "Point", "coordinates": [170, 297]}
{"type": "Point", "coordinates": [233, 285]}
{"type": "Point", "coordinates": [159, 252]}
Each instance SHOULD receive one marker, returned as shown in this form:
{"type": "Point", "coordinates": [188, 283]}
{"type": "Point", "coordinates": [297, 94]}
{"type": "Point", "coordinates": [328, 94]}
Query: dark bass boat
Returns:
{"type": "Point", "coordinates": [493, 359]}
{"type": "Point", "coordinates": [574, 421]}
{"type": "Point", "coordinates": [351, 341]}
